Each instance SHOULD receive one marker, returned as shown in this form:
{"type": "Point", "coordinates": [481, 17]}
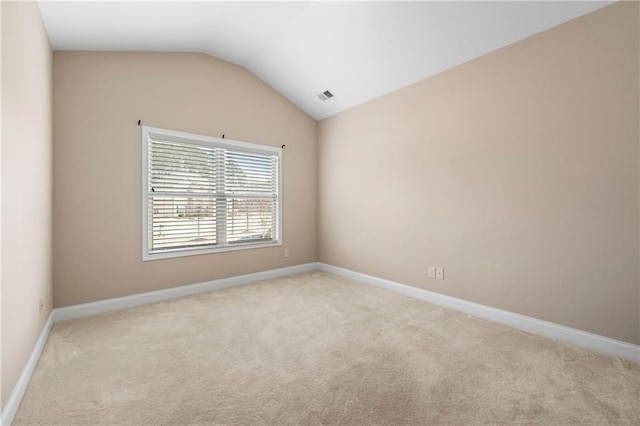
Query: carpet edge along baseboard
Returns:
{"type": "Point", "coordinates": [594, 342]}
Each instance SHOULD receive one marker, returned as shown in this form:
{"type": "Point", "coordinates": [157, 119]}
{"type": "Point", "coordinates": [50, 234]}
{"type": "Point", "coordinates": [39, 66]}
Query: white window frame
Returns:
{"type": "Point", "coordinates": [172, 135]}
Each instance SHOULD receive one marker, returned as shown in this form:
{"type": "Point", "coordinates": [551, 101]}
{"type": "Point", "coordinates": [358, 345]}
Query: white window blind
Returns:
{"type": "Point", "coordinates": [206, 194]}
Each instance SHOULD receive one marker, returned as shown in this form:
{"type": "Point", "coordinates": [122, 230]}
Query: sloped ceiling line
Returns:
{"type": "Point", "coordinates": [358, 50]}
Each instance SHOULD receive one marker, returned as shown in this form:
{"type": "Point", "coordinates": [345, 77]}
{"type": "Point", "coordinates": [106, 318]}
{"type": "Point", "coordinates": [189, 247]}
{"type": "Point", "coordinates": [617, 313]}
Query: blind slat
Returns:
{"type": "Point", "coordinates": [198, 193]}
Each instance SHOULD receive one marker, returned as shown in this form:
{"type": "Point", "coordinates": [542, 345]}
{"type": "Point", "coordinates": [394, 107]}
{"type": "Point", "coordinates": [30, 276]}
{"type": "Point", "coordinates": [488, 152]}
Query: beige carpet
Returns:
{"type": "Point", "coordinates": [317, 349]}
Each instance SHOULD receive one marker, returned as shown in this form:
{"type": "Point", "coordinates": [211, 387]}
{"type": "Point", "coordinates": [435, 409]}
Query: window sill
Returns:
{"type": "Point", "coordinates": [196, 252]}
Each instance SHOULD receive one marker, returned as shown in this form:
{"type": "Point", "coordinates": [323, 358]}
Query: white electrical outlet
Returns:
{"type": "Point", "coordinates": [286, 252]}
{"type": "Point", "coordinates": [432, 272]}
{"type": "Point", "coordinates": [440, 273]}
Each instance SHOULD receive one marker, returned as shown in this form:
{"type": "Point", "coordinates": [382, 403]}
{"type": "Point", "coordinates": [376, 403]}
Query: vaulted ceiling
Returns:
{"type": "Point", "coordinates": [357, 50]}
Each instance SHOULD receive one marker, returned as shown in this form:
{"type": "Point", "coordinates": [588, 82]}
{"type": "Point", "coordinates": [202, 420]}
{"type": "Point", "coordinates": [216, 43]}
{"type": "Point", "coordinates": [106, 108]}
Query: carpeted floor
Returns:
{"type": "Point", "coordinates": [317, 349]}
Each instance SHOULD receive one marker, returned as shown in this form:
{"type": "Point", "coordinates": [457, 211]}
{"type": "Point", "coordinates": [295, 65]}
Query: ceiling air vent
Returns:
{"type": "Point", "coordinates": [325, 95]}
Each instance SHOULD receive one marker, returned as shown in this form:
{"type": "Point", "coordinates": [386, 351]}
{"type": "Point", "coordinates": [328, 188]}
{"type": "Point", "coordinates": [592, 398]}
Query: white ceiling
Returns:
{"type": "Point", "coordinates": [357, 50]}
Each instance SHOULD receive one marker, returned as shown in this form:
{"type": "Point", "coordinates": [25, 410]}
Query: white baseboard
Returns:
{"type": "Point", "coordinates": [11, 407]}
{"type": "Point", "coordinates": [92, 308]}
{"type": "Point", "coordinates": [587, 340]}
{"type": "Point", "coordinates": [576, 337]}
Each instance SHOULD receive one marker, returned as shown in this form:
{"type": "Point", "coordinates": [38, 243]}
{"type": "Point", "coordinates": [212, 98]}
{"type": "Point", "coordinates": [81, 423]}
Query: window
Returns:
{"type": "Point", "coordinates": [203, 194]}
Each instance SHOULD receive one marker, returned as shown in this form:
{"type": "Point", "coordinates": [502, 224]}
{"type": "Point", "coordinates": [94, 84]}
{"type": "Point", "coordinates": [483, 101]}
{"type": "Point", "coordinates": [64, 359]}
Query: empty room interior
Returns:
{"type": "Point", "coordinates": [309, 212]}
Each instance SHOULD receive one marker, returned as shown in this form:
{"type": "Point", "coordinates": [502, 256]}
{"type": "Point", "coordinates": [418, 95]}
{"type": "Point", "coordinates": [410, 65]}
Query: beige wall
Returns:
{"type": "Point", "coordinates": [26, 185]}
{"type": "Point", "coordinates": [98, 99]}
{"type": "Point", "coordinates": [517, 172]}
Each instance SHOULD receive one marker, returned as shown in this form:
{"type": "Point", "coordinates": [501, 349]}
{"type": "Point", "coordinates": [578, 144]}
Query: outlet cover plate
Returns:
{"type": "Point", "coordinates": [432, 271]}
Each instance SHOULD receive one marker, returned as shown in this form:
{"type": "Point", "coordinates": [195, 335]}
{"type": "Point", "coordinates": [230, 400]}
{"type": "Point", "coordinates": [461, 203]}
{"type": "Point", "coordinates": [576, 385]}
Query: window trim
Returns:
{"type": "Point", "coordinates": [173, 135]}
